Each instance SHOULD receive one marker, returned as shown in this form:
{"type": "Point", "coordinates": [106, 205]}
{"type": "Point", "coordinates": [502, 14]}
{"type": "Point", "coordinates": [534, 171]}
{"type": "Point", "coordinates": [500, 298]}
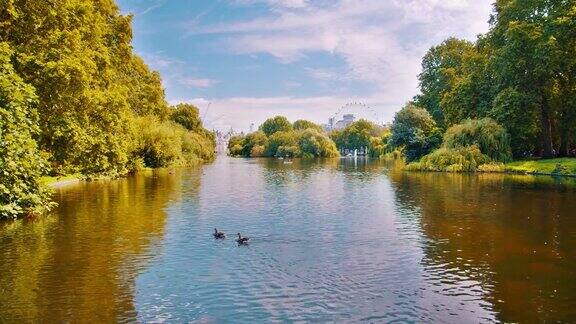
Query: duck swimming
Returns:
{"type": "Point", "coordinates": [242, 240]}
{"type": "Point", "coordinates": [219, 235]}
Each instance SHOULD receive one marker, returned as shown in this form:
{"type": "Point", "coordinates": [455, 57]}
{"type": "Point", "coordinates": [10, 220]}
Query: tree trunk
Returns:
{"type": "Point", "coordinates": [546, 129]}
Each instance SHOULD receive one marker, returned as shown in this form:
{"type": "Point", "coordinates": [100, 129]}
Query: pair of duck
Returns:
{"type": "Point", "coordinates": [242, 240]}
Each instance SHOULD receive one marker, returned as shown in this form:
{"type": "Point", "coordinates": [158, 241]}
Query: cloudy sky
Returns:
{"type": "Point", "coordinates": [252, 59]}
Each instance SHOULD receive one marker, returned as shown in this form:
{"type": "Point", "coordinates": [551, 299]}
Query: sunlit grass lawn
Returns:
{"type": "Point", "coordinates": [560, 166]}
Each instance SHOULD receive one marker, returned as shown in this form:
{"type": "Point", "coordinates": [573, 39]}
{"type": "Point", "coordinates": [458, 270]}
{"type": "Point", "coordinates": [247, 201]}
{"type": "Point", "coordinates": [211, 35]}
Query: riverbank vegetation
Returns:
{"type": "Point", "coordinates": [560, 166]}
{"type": "Point", "coordinates": [361, 135]}
{"type": "Point", "coordinates": [509, 95]}
{"type": "Point", "coordinates": [277, 137]}
{"type": "Point", "coordinates": [75, 99]}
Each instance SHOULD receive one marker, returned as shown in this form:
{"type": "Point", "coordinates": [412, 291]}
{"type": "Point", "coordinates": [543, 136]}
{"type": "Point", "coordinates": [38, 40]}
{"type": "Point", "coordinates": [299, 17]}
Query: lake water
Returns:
{"type": "Point", "coordinates": [332, 241]}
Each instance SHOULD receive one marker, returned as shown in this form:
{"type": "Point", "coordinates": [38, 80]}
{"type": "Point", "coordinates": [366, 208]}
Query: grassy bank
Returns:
{"type": "Point", "coordinates": [560, 166]}
{"type": "Point", "coordinates": [553, 167]}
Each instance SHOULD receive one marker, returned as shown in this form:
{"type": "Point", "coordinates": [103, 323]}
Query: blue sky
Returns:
{"type": "Point", "coordinates": [253, 59]}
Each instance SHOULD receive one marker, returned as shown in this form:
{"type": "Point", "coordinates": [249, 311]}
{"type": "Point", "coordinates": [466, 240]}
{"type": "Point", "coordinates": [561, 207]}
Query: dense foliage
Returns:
{"type": "Point", "coordinates": [360, 135]}
{"type": "Point", "coordinates": [21, 164]}
{"type": "Point", "coordinates": [276, 124]}
{"type": "Point", "coordinates": [313, 143]}
{"type": "Point", "coordinates": [487, 135]}
{"type": "Point", "coordinates": [461, 159]}
{"type": "Point", "coordinates": [476, 144]}
{"type": "Point", "coordinates": [415, 132]}
{"type": "Point", "coordinates": [284, 141]}
{"type": "Point", "coordinates": [187, 116]}
{"type": "Point", "coordinates": [302, 124]}
{"type": "Point", "coordinates": [79, 96]}
{"type": "Point", "coordinates": [522, 74]}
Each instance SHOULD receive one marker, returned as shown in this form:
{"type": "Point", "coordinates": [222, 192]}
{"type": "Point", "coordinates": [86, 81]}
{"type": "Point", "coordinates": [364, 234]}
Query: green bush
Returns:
{"type": "Point", "coordinates": [235, 145]}
{"type": "Point", "coordinates": [253, 139]}
{"type": "Point", "coordinates": [315, 144]}
{"type": "Point", "coordinates": [492, 167]}
{"type": "Point", "coordinates": [235, 150]}
{"type": "Point", "coordinates": [197, 146]}
{"type": "Point", "coordinates": [279, 139]}
{"type": "Point", "coordinates": [288, 151]}
{"type": "Point", "coordinates": [491, 138]}
{"type": "Point", "coordinates": [165, 143]}
{"type": "Point", "coordinates": [462, 159]}
{"type": "Point", "coordinates": [21, 164]}
{"type": "Point", "coordinates": [257, 151]}
{"type": "Point", "coordinates": [158, 144]}
{"type": "Point", "coordinates": [377, 147]}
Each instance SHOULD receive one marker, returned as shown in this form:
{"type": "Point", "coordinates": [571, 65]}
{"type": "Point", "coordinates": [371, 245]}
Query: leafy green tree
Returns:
{"type": "Point", "coordinates": [67, 50]}
{"type": "Point", "coordinates": [472, 90]}
{"type": "Point", "coordinates": [21, 164]}
{"type": "Point", "coordinates": [254, 139]}
{"type": "Point", "coordinates": [142, 87]}
{"type": "Point", "coordinates": [302, 124]}
{"type": "Point", "coordinates": [235, 145]}
{"type": "Point", "coordinates": [187, 116]}
{"type": "Point", "coordinates": [99, 108]}
{"type": "Point", "coordinates": [414, 130]}
{"type": "Point", "coordinates": [378, 144]}
{"type": "Point", "coordinates": [530, 53]}
{"type": "Point", "coordinates": [517, 112]}
{"type": "Point", "coordinates": [358, 135]}
{"type": "Point", "coordinates": [286, 140]}
{"type": "Point", "coordinates": [313, 143]}
{"type": "Point", "coordinates": [91, 87]}
{"type": "Point", "coordinates": [440, 66]}
{"type": "Point", "coordinates": [276, 124]}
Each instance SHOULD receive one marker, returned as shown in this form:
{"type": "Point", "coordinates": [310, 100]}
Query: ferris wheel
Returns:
{"type": "Point", "coordinates": [359, 110]}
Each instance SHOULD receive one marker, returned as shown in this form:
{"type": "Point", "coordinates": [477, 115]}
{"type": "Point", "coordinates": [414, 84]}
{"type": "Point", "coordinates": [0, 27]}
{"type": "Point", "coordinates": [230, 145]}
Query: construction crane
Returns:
{"type": "Point", "coordinates": [206, 112]}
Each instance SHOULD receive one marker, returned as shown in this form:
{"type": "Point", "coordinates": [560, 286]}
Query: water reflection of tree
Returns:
{"type": "Point", "coordinates": [80, 264]}
{"type": "Point", "coordinates": [282, 172]}
{"type": "Point", "coordinates": [514, 235]}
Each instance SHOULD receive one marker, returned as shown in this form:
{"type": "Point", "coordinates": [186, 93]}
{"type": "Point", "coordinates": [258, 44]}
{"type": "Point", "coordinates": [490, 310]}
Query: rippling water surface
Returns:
{"type": "Point", "coordinates": [332, 241]}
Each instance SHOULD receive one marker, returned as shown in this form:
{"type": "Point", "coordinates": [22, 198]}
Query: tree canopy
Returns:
{"type": "Point", "coordinates": [415, 132]}
{"type": "Point", "coordinates": [302, 124]}
{"type": "Point", "coordinates": [276, 124]}
{"type": "Point", "coordinates": [522, 74]}
{"type": "Point", "coordinates": [90, 104]}
{"type": "Point", "coordinates": [304, 139]}
{"type": "Point", "coordinates": [21, 164]}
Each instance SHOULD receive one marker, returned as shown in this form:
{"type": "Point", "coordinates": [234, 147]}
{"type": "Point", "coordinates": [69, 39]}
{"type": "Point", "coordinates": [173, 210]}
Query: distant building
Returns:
{"type": "Point", "coordinates": [343, 123]}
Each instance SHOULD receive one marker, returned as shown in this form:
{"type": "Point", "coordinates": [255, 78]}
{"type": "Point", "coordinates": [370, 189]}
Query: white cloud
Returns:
{"type": "Point", "coordinates": [239, 112]}
{"type": "Point", "coordinates": [380, 41]}
{"type": "Point", "coordinates": [322, 74]}
{"type": "Point", "coordinates": [292, 84]}
{"type": "Point", "coordinates": [198, 83]}
{"type": "Point", "coordinates": [154, 6]}
{"type": "Point", "coordinates": [277, 3]}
